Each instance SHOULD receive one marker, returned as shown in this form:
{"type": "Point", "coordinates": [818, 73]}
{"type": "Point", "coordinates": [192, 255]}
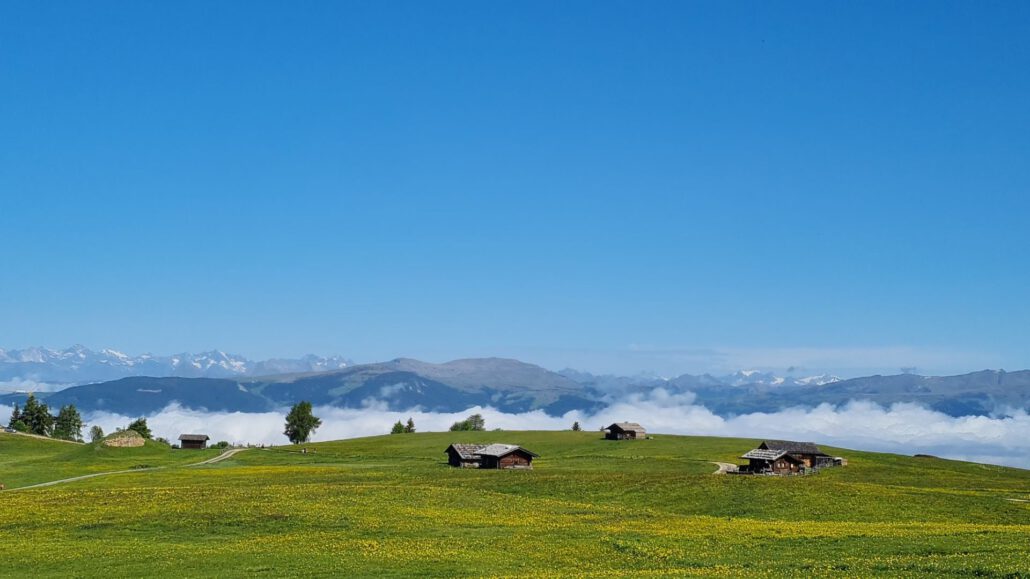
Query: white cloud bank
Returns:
{"type": "Point", "coordinates": [900, 428]}
{"type": "Point", "coordinates": [30, 385]}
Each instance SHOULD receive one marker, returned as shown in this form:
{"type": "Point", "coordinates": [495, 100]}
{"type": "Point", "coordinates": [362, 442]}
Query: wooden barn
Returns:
{"type": "Point", "coordinates": [807, 452]}
{"type": "Point", "coordinates": [506, 456]}
{"type": "Point", "coordinates": [489, 456]}
{"type": "Point", "coordinates": [625, 431]}
{"type": "Point", "coordinates": [464, 455]}
{"type": "Point", "coordinates": [193, 441]}
{"type": "Point", "coordinates": [764, 461]}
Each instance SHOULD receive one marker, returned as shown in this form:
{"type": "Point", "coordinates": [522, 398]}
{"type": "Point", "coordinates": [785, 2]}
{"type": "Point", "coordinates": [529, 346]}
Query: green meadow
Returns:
{"type": "Point", "coordinates": [390, 506]}
{"type": "Point", "coordinates": [26, 460]}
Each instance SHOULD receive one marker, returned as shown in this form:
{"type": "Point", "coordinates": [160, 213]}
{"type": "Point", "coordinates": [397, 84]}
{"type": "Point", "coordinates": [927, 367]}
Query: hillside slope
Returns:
{"type": "Point", "coordinates": [26, 460]}
{"type": "Point", "coordinates": [389, 506]}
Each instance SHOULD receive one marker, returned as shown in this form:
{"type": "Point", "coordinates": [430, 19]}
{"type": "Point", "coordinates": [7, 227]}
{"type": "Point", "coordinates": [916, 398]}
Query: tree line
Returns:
{"type": "Point", "coordinates": [35, 418]}
{"type": "Point", "coordinates": [475, 422]}
{"type": "Point", "coordinates": [67, 424]}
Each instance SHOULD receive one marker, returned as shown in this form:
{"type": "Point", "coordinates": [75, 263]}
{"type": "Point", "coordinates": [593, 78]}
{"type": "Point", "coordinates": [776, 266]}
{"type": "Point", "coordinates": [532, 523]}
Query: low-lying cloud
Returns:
{"type": "Point", "coordinates": [900, 428]}
{"type": "Point", "coordinates": [30, 385]}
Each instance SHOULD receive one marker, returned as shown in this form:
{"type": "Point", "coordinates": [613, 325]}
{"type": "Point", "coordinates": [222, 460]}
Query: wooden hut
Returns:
{"type": "Point", "coordinates": [807, 452]}
{"type": "Point", "coordinates": [464, 455]}
{"type": "Point", "coordinates": [193, 441]}
{"type": "Point", "coordinates": [625, 431]}
{"type": "Point", "coordinates": [489, 456]}
{"type": "Point", "coordinates": [505, 456]}
{"type": "Point", "coordinates": [764, 461]}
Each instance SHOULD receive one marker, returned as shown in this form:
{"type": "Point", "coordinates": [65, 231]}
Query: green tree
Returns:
{"type": "Point", "coordinates": [398, 428]}
{"type": "Point", "coordinates": [36, 417]}
{"type": "Point", "coordinates": [20, 426]}
{"type": "Point", "coordinates": [301, 423]}
{"type": "Point", "coordinates": [96, 434]}
{"type": "Point", "coordinates": [472, 423]}
{"type": "Point", "coordinates": [15, 416]}
{"type": "Point", "coordinates": [68, 425]}
{"type": "Point", "coordinates": [575, 426]}
{"type": "Point", "coordinates": [410, 426]}
{"type": "Point", "coordinates": [140, 426]}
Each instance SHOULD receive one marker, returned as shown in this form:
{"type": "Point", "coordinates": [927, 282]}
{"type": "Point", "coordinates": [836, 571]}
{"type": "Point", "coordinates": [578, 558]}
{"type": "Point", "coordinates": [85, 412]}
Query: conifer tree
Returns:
{"type": "Point", "coordinates": [68, 425]}
{"type": "Point", "coordinates": [15, 416]}
{"type": "Point", "coordinates": [36, 417]}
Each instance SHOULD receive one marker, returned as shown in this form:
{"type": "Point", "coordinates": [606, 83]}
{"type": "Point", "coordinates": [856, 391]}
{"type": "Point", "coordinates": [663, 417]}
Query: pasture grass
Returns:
{"type": "Point", "coordinates": [26, 460]}
{"type": "Point", "coordinates": [389, 506]}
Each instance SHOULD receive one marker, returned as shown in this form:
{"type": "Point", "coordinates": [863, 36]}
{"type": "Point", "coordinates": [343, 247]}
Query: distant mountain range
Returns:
{"type": "Point", "coordinates": [399, 384]}
{"type": "Point", "coordinates": [219, 382]}
{"type": "Point", "coordinates": [80, 365]}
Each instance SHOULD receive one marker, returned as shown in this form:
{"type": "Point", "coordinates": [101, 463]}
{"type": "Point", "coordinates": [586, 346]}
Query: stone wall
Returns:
{"type": "Point", "coordinates": [126, 438]}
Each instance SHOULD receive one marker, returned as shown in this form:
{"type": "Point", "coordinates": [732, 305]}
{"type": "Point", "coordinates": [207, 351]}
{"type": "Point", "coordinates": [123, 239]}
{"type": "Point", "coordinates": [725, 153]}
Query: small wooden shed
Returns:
{"type": "Point", "coordinates": [193, 441]}
{"type": "Point", "coordinates": [506, 456]}
{"type": "Point", "coordinates": [464, 455]}
{"type": "Point", "coordinates": [625, 431]}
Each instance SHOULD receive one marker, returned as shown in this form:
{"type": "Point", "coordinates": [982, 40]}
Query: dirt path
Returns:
{"type": "Point", "coordinates": [724, 467]}
{"type": "Point", "coordinates": [227, 454]}
{"type": "Point", "coordinates": [42, 437]}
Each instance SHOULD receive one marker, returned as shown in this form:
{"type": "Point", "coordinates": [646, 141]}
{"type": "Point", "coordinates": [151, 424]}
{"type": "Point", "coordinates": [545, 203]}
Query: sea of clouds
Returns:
{"type": "Point", "coordinates": [901, 428]}
{"type": "Point", "coordinates": [30, 385]}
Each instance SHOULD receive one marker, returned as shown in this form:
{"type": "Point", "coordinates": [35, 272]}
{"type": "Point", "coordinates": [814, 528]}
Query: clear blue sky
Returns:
{"type": "Point", "coordinates": [614, 186]}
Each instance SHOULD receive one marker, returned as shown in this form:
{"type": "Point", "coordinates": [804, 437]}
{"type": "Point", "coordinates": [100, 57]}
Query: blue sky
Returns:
{"type": "Point", "coordinates": [616, 186]}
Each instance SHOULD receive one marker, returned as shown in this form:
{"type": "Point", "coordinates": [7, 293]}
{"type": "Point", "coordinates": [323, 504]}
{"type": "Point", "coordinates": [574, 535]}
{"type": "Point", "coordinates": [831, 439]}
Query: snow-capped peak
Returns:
{"type": "Point", "coordinates": [759, 378]}
{"type": "Point", "coordinates": [820, 380]}
{"type": "Point", "coordinates": [79, 364]}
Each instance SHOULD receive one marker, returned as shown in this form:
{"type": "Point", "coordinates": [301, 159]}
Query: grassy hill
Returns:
{"type": "Point", "coordinates": [389, 506]}
{"type": "Point", "coordinates": [26, 460]}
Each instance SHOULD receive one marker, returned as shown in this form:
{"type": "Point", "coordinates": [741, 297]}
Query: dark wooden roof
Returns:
{"type": "Point", "coordinates": [466, 451]}
{"type": "Point", "coordinates": [792, 447]}
{"type": "Point", "coordinates": [194, 437]}
{"type": "Point", "coordinates": [626, 427]}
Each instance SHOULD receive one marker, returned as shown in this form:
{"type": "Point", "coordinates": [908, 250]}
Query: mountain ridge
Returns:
{"type": "Point", "coordinates": [514, 386]}
{"type": "Point", "coordinates": [80, 365]}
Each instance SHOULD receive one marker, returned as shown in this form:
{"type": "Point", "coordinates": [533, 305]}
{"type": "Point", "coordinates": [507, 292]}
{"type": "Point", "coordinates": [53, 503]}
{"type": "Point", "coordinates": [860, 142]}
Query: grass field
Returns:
{"type": "Point", "coordinates": [26, 460]}
{"type": "Point", "coordinates": [389, 506]}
